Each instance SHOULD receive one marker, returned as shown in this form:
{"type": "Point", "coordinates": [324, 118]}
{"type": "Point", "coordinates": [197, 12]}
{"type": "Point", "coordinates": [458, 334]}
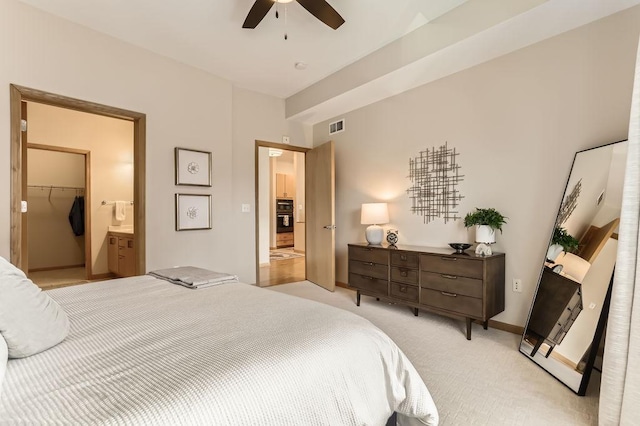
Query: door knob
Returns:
{"type": "Point", "coordinates": [329, 227]}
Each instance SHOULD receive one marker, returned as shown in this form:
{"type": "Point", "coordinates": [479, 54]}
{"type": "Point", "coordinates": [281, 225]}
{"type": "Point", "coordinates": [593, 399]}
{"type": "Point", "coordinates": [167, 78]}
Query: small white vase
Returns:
{"type": "Point", "coordinates": [485, 234]}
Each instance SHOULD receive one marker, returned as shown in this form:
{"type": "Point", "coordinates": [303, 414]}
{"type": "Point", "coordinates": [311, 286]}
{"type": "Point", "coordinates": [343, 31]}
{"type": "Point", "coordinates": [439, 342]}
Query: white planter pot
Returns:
{"type": "Point", "coordinates": [485, 234]}
{"type": "Point", "coordinates": [554, 251]}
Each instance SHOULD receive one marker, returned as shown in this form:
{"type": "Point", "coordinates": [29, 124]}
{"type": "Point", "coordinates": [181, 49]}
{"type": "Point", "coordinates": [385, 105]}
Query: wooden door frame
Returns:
{"type": "Point", "coordinates": [264, 144]}
{"type": "Point", "coordinates": [88, 267]}
{"type": "Point", "coordinates": [18, 94]}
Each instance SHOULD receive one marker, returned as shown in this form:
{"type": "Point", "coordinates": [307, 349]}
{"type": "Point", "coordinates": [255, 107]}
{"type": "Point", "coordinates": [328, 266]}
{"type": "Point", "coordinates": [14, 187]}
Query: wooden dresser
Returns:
{"type": "Point", "coordinates": [429, 278]}
{"type": "Point", "coordinates": [557, 305]}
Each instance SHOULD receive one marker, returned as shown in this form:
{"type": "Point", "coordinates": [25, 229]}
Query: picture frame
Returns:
{"type": "Point", "coordinates": [192, 167]}
{"type": "Point", "coordinates": [193, 212]}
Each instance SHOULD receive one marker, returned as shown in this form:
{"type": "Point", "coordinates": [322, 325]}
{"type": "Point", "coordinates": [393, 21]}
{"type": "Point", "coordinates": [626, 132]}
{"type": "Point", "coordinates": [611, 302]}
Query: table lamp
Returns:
{"type": "Point", "coordinates": [374, 215]}
{"type": "Point", "coordinates": [573, 266]}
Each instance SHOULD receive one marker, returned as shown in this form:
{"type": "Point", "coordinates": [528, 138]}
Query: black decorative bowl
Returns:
{"type": "Point", "coordinates": [459, 247]}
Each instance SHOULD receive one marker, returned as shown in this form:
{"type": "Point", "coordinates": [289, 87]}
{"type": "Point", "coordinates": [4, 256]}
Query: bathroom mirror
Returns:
{"type": "Point", "coordinates": [567, 318]}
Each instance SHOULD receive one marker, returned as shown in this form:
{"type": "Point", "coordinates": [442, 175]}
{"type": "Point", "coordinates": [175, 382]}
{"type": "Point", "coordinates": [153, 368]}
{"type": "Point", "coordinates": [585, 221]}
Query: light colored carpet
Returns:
{"type": "Point", "coordinates": [58, 277]}
{"type": "Point", "coordinates": [485, 381]}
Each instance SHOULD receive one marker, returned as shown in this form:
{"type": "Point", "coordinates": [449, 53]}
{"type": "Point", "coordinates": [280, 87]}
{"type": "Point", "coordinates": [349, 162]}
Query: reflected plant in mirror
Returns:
{"type": "Point", "coordinates": [567, 318]}
{"type": "Point", "coordinates": [561, 241]}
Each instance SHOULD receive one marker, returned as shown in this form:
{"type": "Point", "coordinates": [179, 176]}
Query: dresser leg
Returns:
{"type": "Point", "coordinates": [468, 328]}
{"type": "Point", "coordinates": [485, 324]}
{"type": "Point", "coordinates": [358, 298]}
{"type": "Point", "coordinates": [415, 311]}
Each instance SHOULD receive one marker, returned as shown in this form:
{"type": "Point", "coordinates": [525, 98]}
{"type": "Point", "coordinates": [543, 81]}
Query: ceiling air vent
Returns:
{"type": "Point", "coordinates": [336, 126]}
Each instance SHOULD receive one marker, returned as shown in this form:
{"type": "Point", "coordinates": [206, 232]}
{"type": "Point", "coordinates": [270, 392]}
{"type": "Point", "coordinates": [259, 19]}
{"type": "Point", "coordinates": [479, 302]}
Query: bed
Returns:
{"type": "Point", "coordinates": [144, 351]}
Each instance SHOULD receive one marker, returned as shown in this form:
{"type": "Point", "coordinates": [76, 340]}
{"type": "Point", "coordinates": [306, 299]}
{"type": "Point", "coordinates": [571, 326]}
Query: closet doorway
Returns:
{"type": "Point", "coordinates": [59, 231]}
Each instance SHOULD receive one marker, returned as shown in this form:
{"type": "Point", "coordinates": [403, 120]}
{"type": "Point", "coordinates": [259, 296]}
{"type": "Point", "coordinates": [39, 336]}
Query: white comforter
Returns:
{"type": "Point", "coordinates": [144, 351]}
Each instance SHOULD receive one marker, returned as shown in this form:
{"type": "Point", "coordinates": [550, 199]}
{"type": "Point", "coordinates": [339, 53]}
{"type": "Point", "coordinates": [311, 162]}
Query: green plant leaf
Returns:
{"type": "Point", "coordinates": [490, 217]}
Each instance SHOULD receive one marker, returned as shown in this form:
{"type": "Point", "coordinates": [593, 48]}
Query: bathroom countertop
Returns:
{"type": "Point", "coordinates": [124, 230]}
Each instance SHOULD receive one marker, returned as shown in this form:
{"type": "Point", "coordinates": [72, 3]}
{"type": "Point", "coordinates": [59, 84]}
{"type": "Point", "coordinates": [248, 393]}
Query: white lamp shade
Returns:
{"type": "Point", "coordinates": [573, 266]}
{"type": "Point", "coordinates": [374, 214]}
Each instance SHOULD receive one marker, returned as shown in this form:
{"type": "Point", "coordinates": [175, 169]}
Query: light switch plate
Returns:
{"type": "Point", "coordinates": [285, 139]}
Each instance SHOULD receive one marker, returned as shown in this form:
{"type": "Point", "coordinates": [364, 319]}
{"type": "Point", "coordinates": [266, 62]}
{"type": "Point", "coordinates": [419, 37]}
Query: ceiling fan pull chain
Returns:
{"type": "Point", "coordinates": [286, 37]}
{"type": "Point", "coordinates": [277, 14]}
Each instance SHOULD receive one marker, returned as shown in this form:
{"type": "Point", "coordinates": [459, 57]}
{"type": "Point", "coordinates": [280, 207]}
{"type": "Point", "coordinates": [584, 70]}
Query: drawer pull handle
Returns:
{"type": "Point", "coordinates": [449, 294]}
{"type": "Point", "coordinates": [369, 263]}
{"type": "Point", "coordinates": [368, 249]}
{"type": "Point", "coordinates": [404, 273]}
{"type": "Point", "coordinates": [450, 259]}
{"type": "Point", "coordinates": [370, 278]}
{"type": "Point", "coordinates": [403, 257]}
{"type": "Point", "coordinates": [449, 277]}
{"type": "Point", "coordinates": [403, 289]}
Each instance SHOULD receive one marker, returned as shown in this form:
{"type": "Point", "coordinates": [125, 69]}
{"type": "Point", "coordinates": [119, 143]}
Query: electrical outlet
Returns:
{"type": "Point", "coordinates": [246, 208]}
{"type": "Point", "coordinates": [592, 305]}
{"type": "Point", "coordinates": [517, 285]}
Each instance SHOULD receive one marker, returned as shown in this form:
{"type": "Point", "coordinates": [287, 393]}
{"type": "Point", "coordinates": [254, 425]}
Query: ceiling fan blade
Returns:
{"type": "Point", "coordinates": [257, 13]}
{"type": "Point", "coordinates": [323, 11]}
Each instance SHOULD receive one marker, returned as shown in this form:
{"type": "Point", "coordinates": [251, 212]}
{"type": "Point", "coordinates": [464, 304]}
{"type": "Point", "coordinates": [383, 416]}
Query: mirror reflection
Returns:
{"type": "Point", "coordinates": [577, 270]}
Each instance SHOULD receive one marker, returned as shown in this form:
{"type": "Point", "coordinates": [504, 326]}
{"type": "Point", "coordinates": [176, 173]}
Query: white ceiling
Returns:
{"type": "Point", "coordinates": [340, 76]}
{"type": "Point", "coordinates": [208, 34]}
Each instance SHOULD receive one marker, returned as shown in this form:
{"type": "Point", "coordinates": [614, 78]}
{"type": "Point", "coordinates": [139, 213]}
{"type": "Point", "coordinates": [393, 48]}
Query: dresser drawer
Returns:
{"type": "Point", "coordinates": [464, 305]}
{"type": "Point", "coordinates": [405, 259]}
{"type": "Point", "coordinates": [369, 254]}
{"type": "Point", "coordinates": [404, 275]}
{"type": "Point", "coordinates": [369, 269]}
{"type": "Point", "coordinates": [375, 285]}
{"type": "Point", "coordinates": [452, 284]}
{"type": "Point", "coordinates": [451, 265]}
{"type": "Point", "coordinates": [404, 291]}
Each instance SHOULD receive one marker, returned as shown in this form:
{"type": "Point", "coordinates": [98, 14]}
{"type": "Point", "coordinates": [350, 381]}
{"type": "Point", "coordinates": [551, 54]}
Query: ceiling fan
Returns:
{"type": "Point", "coordinates": [318, 8]}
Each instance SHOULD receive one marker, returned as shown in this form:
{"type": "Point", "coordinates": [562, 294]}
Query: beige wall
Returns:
{"type": "Point", "coordinates": [185, 107]}
{"type": "Point", "coordinates": [52, 242]}
{"type": "Point", "coordinates": [517, 122]}
{"type": "Point", "coordinates": [110, 142]}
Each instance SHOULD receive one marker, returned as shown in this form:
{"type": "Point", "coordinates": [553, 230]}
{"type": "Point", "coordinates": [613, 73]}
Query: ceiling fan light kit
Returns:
{"type": "Point", "coordinates": [318, 8]}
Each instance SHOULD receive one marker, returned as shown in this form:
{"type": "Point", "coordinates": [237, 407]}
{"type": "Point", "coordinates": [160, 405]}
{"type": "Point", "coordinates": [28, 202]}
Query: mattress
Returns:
{"type": "Point", "coordinates": [142, 351]}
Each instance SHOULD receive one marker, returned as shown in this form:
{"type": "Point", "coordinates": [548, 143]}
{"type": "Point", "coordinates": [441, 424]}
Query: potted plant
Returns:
{"type": "Point", "coordinates": [561, 241]}
{"type": "Point", "coordinates": [486, 222]}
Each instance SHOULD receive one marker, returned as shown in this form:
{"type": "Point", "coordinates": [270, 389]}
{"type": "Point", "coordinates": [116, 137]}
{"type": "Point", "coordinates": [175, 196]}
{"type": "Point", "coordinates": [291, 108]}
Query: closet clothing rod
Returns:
{"type": "Point", "coordinates": [105, 202]}
{"type": "Point", "coordinates": [74, 188]}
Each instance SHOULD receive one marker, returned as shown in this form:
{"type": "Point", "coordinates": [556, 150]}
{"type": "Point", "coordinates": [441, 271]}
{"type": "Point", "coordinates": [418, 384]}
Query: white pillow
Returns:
{"type": "Point", "coordinates": [30, 320]}
{"type": "Point", "coordinates": [4, 357]}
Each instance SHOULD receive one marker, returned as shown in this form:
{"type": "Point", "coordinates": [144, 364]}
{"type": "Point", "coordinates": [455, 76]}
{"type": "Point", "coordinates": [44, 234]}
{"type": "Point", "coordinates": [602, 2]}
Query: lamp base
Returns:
{"type": "Point", "coordinates": [374, 234]}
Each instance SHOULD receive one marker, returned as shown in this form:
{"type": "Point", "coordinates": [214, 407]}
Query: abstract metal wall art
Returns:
{"type": "Point", "coordinates": [569, 204]}
{"type": "Point", "coordinates": [435, 175]}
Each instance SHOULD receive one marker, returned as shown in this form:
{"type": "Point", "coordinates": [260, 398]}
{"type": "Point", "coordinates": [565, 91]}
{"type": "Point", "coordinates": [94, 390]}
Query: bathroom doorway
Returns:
{"type": "Point", "coordinates": [103, 152]}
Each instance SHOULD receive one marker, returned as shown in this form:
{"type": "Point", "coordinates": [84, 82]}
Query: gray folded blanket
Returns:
{"type": "Point", "coordinates": [193, 277]}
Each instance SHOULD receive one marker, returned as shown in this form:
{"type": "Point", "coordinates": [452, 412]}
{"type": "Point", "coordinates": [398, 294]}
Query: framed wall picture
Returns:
{"type": "Point", "coordinates": [193, 167]}
{"type": "Point", "coordinates": [193, 211]}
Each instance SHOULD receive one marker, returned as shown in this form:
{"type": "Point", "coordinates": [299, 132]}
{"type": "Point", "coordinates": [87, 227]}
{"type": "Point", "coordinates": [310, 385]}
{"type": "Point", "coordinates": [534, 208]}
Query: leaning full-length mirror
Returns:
{"type": "Point", "coordinates": [560, 334]}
